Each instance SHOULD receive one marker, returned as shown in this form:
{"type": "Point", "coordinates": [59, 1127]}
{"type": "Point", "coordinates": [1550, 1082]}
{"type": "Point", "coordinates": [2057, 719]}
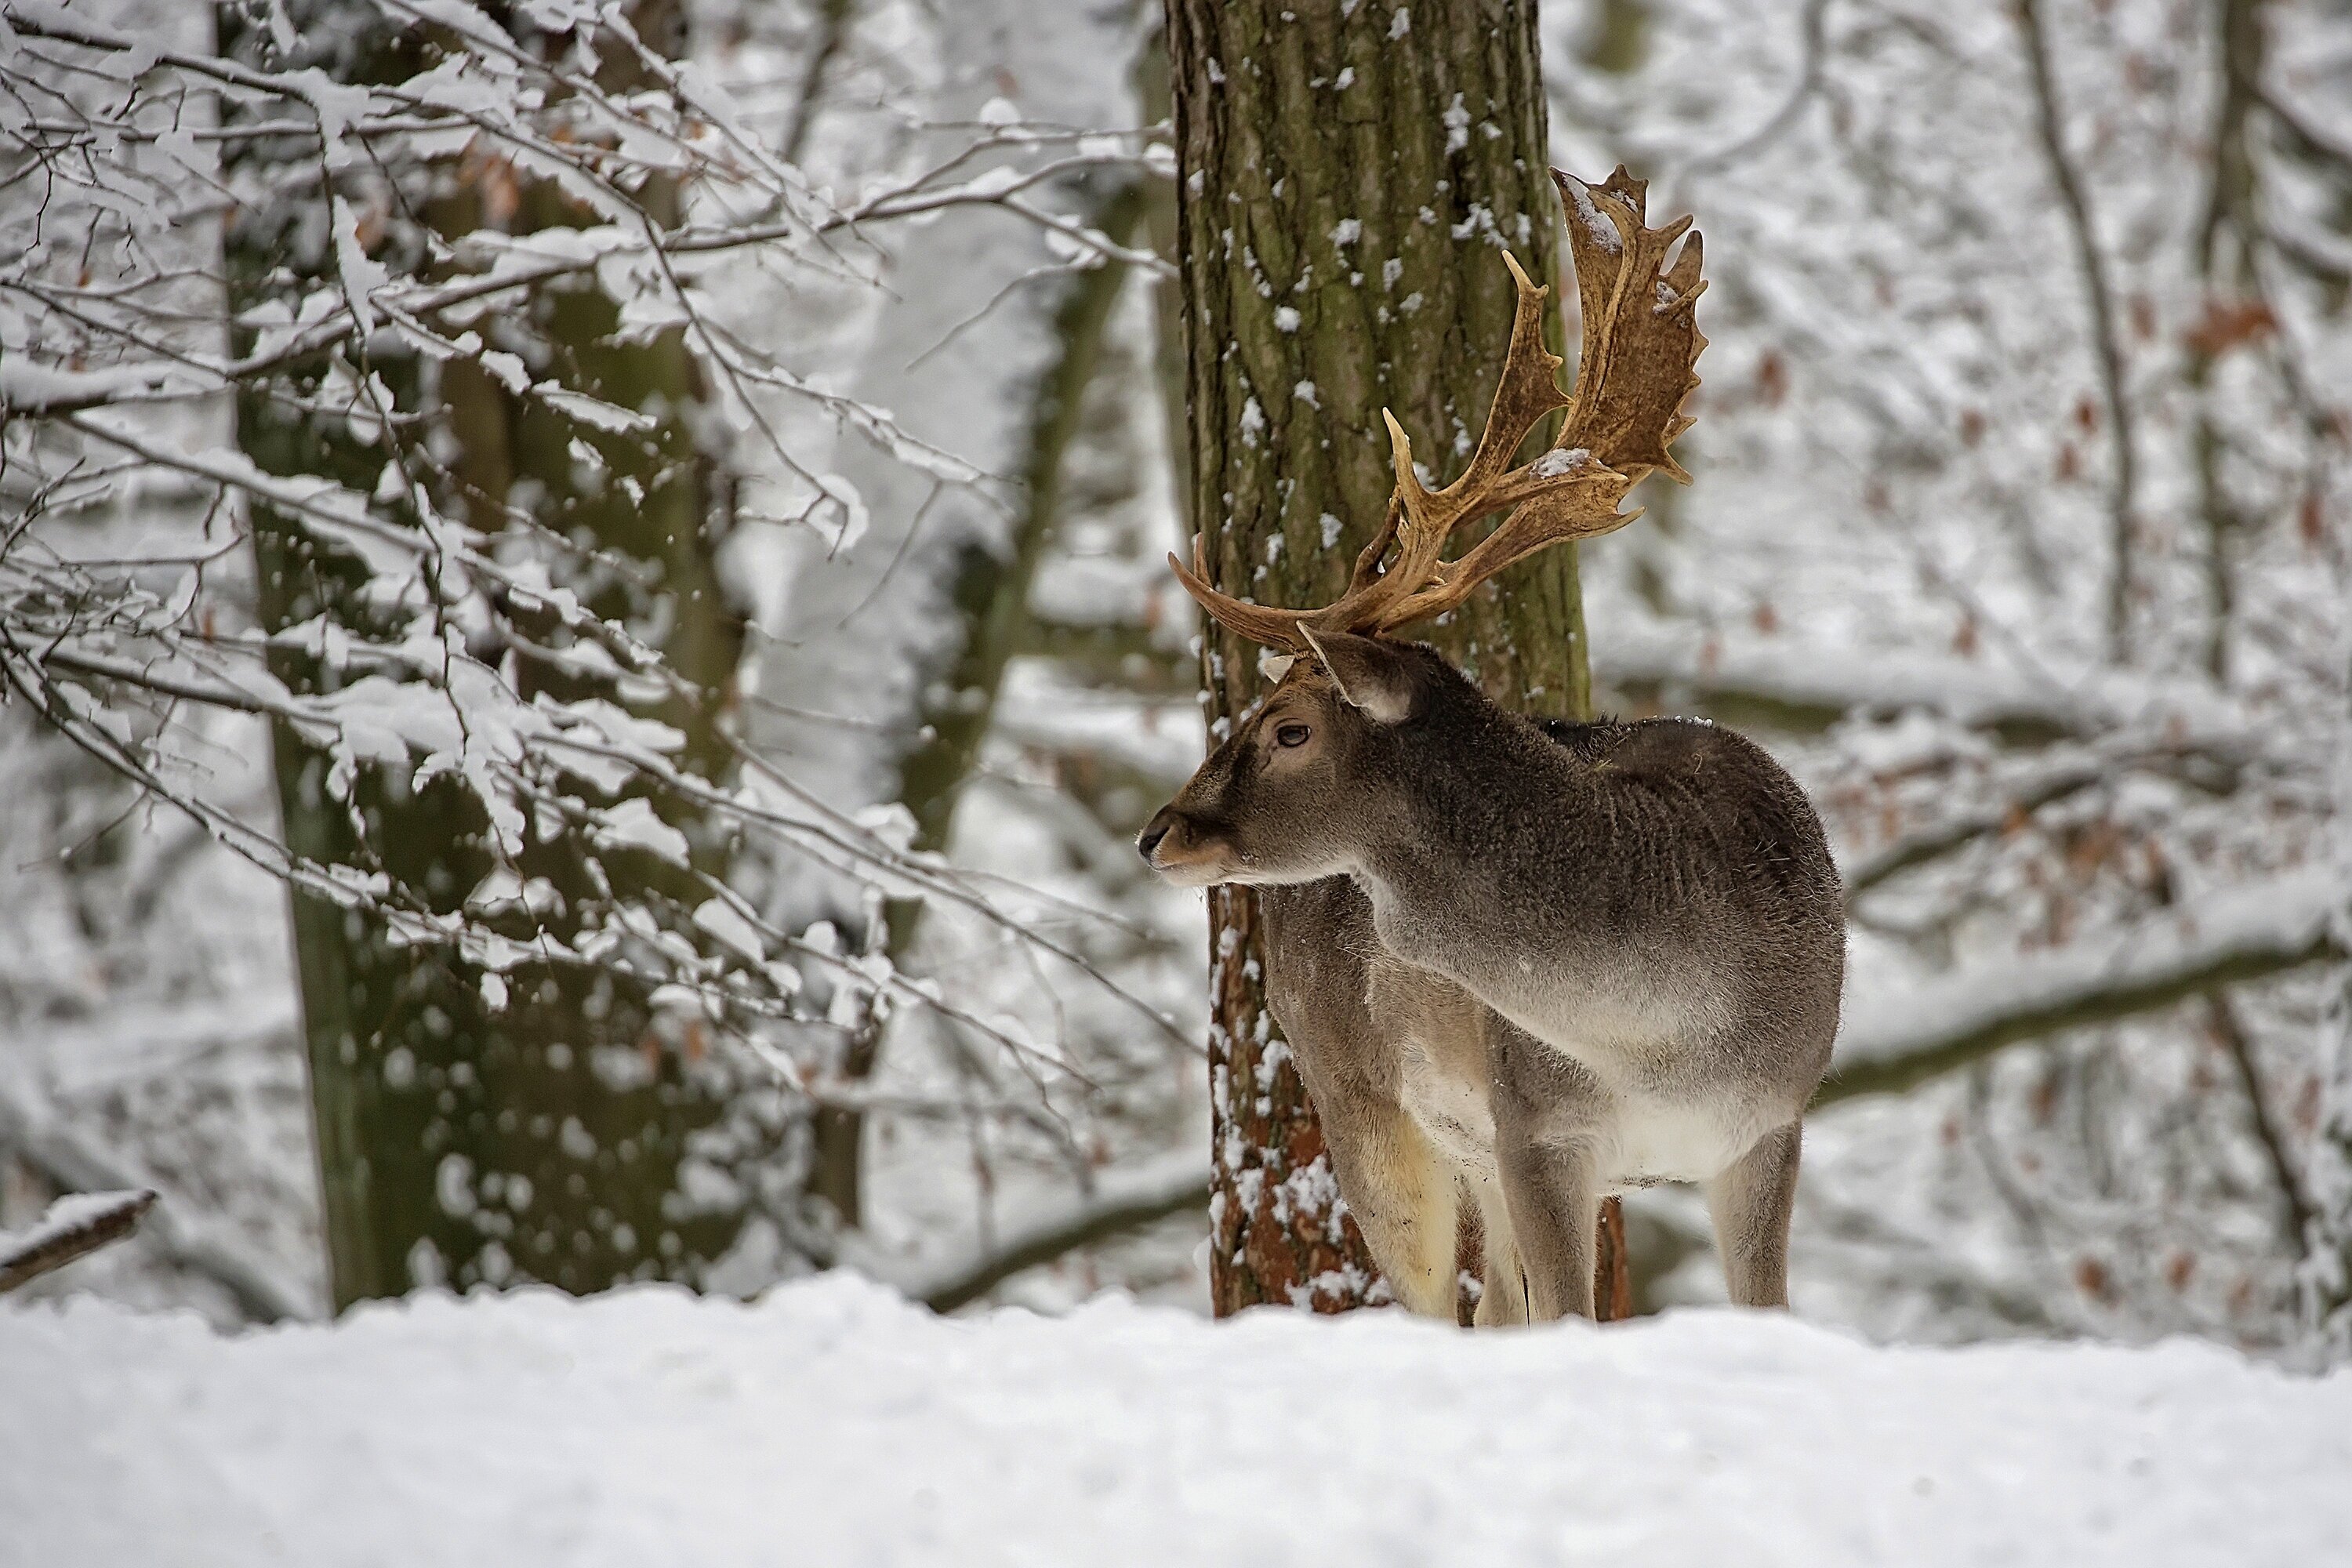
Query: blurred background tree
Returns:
{"type": "Point", "coordinates": [541, 1123]}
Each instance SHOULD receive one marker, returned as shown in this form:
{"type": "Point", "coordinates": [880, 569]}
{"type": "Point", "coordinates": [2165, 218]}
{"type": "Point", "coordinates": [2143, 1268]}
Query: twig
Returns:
{"type": "Point", "coordinates": [2046, 786]}
{"type": "Point", "coordinates": [74, 1226]}
{"type": "Point", "coordinates": [1809, 81]}
{"type": "Point", "coordinates": [2297, 1211]}
{"type": "Point", "coordinates": [1934, 842]}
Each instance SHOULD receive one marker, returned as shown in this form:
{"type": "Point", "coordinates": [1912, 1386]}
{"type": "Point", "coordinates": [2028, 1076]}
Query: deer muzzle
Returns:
{"type": "Point", "coordinates": [1184, 853]}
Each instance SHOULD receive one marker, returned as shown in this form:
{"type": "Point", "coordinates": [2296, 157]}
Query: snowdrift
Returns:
{"type": "Point", "coordinates": [832, 1422]}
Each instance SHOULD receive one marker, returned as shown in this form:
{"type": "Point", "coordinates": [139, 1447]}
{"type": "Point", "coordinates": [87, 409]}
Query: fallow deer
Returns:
{"type": "Point", "coordinates": [1527, 964]}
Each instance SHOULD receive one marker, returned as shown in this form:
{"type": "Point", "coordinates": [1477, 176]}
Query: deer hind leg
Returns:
{"type": "Point", "coordinates": [1751, 1203]}
{"type": "Point", "coordinates": [1546, 1111]}
{"type": "Point", "coordinates": [1401, 1193]}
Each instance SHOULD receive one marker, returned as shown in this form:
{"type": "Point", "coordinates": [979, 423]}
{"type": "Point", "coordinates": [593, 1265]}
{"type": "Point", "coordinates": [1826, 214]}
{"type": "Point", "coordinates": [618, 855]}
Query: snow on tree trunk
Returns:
{"type": "Point", "coordinates": [906, 625]}
{"type": "Point", "coordinates": [1345, 184]}
{"type": "Point", "coordinates": [544, 1123]}
{"type": "Point", "coordinates": [988, 600]}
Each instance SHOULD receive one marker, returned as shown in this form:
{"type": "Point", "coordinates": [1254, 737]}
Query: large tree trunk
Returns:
{"type": "Point", "coordinates": [537, 1125]}
{"type": "Point", "coordinates": [1345, 184]}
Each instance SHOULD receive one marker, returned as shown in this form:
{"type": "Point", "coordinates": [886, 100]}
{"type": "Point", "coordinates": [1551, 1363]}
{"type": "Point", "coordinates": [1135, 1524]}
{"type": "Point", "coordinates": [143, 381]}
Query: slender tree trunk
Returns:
{"type": "Point", "coordinates": [990, 596]}
{"type": "Point", "coordinates": [2222, 270]}
{"type": "Point", "coordinates": [538, 1125]}
{"type": "Point", "coordinates": [2106, 332]}
{"type": "Point", "coordinates": [1346, 183]}
{"type": "Point", "coordinates": [2327, 1273]}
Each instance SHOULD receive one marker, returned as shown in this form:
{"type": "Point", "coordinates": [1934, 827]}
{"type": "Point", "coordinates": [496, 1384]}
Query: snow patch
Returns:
{"type": "Point", "coordinates": [646, 1425]}
{"type": "Point", "coordinates": [1559, 460]}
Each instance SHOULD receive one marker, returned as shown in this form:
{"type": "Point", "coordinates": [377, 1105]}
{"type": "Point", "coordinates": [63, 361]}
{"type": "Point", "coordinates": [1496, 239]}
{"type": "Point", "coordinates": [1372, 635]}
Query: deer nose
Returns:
{"type": "Point", "coordinates": [1153, 832]}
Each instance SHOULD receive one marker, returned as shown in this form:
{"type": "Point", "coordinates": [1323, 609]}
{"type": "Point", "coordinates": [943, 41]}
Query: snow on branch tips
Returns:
{"type": "Point", "coordinates": [78, 1223]}
{"type": "Point", "coordinates": [256, 297]}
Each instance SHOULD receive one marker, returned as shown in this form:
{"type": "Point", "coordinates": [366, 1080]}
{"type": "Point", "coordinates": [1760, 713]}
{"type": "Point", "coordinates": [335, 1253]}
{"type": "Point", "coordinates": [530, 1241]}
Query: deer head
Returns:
{"type": "Point", "coordinates": [1284, 799]}
{"type": "Point", "coordinates": [1274, 801]}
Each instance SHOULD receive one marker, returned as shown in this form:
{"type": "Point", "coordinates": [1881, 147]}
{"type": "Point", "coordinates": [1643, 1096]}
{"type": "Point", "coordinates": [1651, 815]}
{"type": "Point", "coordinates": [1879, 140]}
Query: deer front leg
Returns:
{"type": "Point", "coordinates": [1750, 1201]}
{"type": "Point", "coordinates": [1400, 1190]}
{"type": "Point", "coordinates": [1503, 1287]}
{"type": "Point", "coordinates": [1546, 1111]}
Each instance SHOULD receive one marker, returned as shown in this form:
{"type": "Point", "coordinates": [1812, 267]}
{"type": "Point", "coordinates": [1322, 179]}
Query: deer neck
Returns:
{"type": "Point", "coordinates": [1485, 799]}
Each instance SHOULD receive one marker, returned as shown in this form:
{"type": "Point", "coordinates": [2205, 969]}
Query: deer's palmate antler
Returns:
{"type": "Point", "coordinates": [1641, 340]}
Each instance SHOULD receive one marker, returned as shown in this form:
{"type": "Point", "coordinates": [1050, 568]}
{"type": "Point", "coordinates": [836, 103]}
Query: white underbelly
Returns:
{"type": "Point", "coordinates": [1651, 1141]}
{"type": "Point", "coordinates": [1639, 1141]}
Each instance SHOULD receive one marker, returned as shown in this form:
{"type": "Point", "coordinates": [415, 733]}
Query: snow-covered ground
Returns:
{"type": "Point", "coordinates": [831, 1423]}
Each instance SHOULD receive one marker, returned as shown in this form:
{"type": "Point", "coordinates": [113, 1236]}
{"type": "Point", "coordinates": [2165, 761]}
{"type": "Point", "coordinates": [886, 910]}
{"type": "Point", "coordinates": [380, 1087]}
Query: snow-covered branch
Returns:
{"type": "Point", "coordinates": [1788, 681]}
{"type": "Point", "coordinates": [1905, 1036]}
{"type": "Point", "coordinates": [74, 1225]}
{"type": "Point", "coordinates": [267, 223]}
{"type": "Point", "coordinates": [73, 1162]}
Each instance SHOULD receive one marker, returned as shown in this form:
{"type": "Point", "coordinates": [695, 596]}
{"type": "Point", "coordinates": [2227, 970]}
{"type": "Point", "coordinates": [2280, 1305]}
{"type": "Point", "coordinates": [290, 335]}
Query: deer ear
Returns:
{"type": "Point", "coordinates": [1373, 677]}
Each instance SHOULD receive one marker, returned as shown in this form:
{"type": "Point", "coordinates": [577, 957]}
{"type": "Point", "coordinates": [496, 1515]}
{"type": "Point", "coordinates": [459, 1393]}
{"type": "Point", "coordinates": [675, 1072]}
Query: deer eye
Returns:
{"type": "Point", "coordinates": [1291, 734]}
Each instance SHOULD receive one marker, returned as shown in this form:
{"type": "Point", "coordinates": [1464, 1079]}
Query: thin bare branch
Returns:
{"type": "Point", "coordinates": [2107, 342]}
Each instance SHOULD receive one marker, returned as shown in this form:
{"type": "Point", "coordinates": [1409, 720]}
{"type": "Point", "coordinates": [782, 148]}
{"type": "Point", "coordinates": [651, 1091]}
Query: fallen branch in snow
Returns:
{"type": "Point", "coordinates": [73, 1164]}
{"type": "Point", "coordinates": [76, 1225]}
{"type": "Point", "coordinates": [1895, 1041]}
{"type": "Point", "coordinates": [1123, 1201]}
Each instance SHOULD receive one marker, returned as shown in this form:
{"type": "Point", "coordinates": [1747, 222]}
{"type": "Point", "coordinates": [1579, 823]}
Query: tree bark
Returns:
{"type": "Point", "coordinates": [466, 1137]}
{"type": "Point", "coordinates": [1346, 183]}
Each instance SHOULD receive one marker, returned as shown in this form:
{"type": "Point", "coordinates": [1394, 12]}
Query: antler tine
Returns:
{"type": "Point", "coordinates": [1582, 504]}
{"type": "Point", "coordinates": [1636, 364]}
{"type": "Point", "coordinates": [1527, 390]}
{"type": "Point", "coordinates": [1417, 522]}
{"type": "Point", "coordinates": [1368, 560]}
{"type": "Point", "coordinates": [1258, 623]}
{"type": "Point", "coordinates": [1641, 338]}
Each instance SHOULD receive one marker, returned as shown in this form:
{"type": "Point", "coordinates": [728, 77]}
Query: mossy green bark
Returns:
{"type": "Point", "coordinates": [544, 1139]}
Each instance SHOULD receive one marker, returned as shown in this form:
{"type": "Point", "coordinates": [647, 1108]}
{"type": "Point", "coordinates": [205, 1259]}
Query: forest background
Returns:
{"type": "Point", "coordinates": [649, 520]}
